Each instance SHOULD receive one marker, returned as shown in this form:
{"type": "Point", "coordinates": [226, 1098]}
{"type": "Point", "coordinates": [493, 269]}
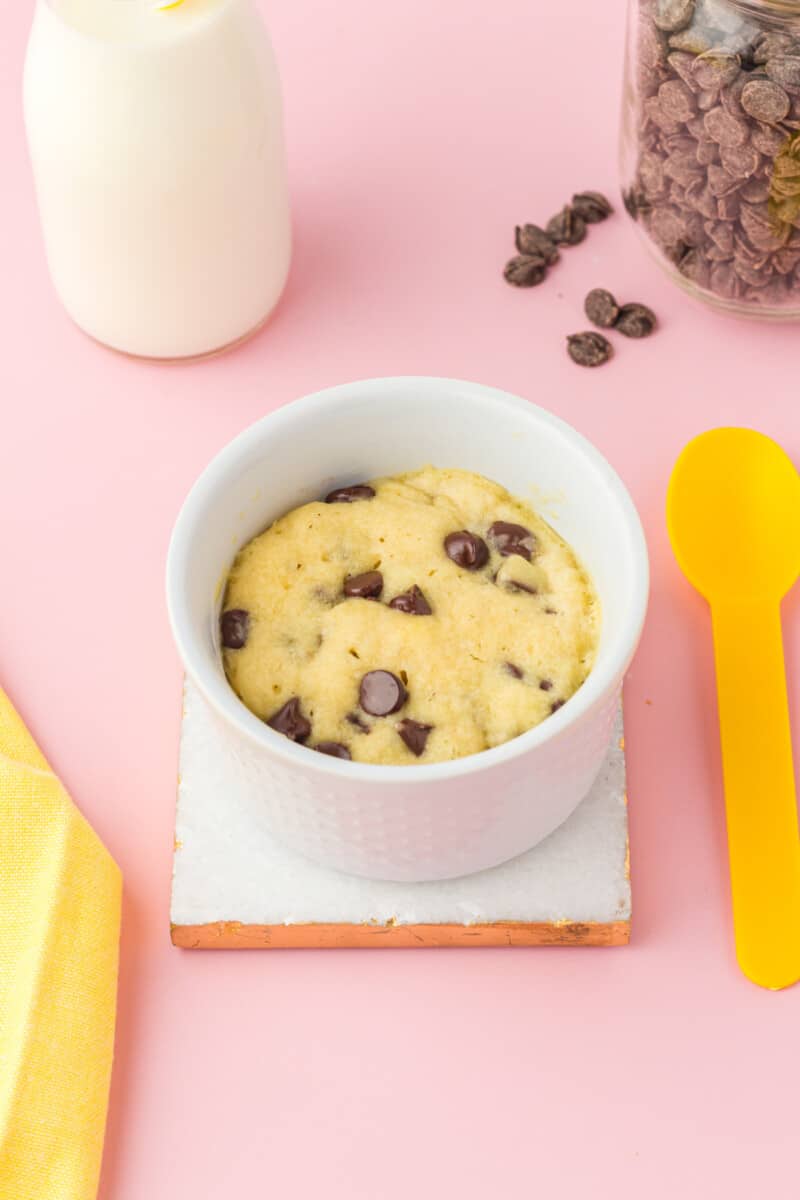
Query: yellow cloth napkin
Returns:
{"type": "Point", "coordinates": [60, 894]}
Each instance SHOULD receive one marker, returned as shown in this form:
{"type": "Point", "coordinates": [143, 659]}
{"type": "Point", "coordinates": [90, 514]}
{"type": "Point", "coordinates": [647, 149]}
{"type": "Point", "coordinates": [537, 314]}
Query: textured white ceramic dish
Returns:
{"type": "Point", "coordinates": [444, 819]}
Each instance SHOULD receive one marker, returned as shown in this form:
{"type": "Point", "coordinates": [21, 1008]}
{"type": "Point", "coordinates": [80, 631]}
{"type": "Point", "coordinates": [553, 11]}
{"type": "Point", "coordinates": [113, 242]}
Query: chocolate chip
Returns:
{"type": "Point", "coordinates": [414, 734]}
{"type": "Point", "coordinates": [525, 270]}
{"type": "Point", "coordinates": [724, 129]}
{"type": "Point", "coordinates": [381, 693]}
{"type": "Point", "coordinates": [289, 721]}
{"type": "Point", "coordinates": [556, 705]}
{"type": "Point", "coordinates": [566, 228]}
{"type": "Point", "coordinates": [234, 626]}
{"type": "Point", "coordinates": [413, 602]}
{"type": "Point", "coordinates": [466, 549]}
{"type": "Point", "coordinates": [365, 587]}
{"type": "Point", "coordinates": [765, 100]}
{"type": "Point", "coordinates": [785, 70]}
{"type": "Point", "coordinates": [531, 241]}
{"type": "Point", "coordinates": [546, 685]}
{"type": "Point", "coordinates": [512, 539]}
{"type": "Point", "coordinates": [513, 669]}
{"type": "Point", "coordinates": [347, 495]}
{"type": "Point", "coordinates": [593, 207]}
{"type": "Point", "coordinates": [334, 749]}
{"type": "Point", "coordinates": [636, 320]}
{"type": "Point", "coordinates": [601, 308]}
{"type": "Point", "coordinates": [355, 720]}
{"type": "Point", "coordinates": [672, 15]}
{"type": "Point", "coordinates": [676, 101]}
{"type": "Point", "coordinates": [589, 349]}
{"type": "Point", "coordinates": [716, 68]}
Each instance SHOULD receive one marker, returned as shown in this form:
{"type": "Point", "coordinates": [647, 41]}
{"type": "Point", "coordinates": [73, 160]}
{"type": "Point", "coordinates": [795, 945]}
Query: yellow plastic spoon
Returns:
{"type": "Point", "coordinates": [733, 512]}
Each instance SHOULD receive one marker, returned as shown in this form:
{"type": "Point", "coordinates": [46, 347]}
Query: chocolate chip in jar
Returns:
{"type": "Point", "coordinates": [381, 693]}
{"type": "Point", "coordinates": [350, 494]}
{"type": "Point", "coordinates": [415, 734]}
{"type": "Point", "coordinates": [589, 349]}
{"type": "Point", "coordinates": [513, 670]}
{"type": "Point", "coordinates": [367, 586]}
{"type": "Point", "coordinates": [466, 549]}
{"type": "Point", "coordinates": [234, 626]}
{"type": "Point", "coordinates": [412, 602]}
{"type": "Point", "coordinates": [672, 15]}
{"type": "Point", "coordinates": [291, 721]}
{"type": "Point", "coordinates": [765, 101]}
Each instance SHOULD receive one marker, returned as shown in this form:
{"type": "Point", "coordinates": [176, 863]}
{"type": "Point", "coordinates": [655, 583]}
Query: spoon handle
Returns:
{"type": "Point", "coordinates": [760, 797]}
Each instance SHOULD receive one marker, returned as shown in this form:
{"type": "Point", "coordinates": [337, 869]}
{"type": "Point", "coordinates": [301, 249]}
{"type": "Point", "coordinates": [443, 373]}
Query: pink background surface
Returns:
{"type": "Point", "coordinates": [419, 134]}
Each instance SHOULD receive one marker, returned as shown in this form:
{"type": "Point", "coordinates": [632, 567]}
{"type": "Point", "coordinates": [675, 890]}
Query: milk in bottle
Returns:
{"type": "Point", "coordinates": [156, 139]}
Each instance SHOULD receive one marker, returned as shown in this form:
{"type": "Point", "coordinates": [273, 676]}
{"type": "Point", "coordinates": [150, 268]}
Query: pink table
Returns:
{"type": "Point", "coordinates": [419, 134]}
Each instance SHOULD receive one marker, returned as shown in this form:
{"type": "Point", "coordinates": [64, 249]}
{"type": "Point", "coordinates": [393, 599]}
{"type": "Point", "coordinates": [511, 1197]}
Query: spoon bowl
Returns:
{"type": "Point", "coordinates": [734, 515]}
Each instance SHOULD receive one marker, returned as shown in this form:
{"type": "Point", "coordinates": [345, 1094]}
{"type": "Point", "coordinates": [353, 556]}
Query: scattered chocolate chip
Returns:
{"type": "Point", "coordinates": [365, 587]}
{"type": "Point", "coordinates": [347, 495]}
{"type": "Point", "coordinates": [381, 693]}
{"type": "Point", "coordinates": [413, 602]}
{"type": "Point", "coordinates": [531, 241]}
{"type": "Point", "coordinates": [566, 228]}
{"type": "Point", "coordinates": [513, 669]}
{"type": "Point", "coordinates": [414, 734]}
{"type": "Point", "coordinates": [234, 626]}
{"type": "Point", "coordinates": [556, 705]}
{"type": "Point", "coordinates": [601, 308]}
{"type": "Point", "coordinates": [525, 270]}
{"type": "Point", "coordinates": [636, 320]}
{"type": "Point", "coordinates": [334, 749]}
{"type": "Point", "coordinates": [589, 349]}
{"type": "Point", "coordinates": [546, 685]}
{"type": "Point", "coordinates": [592, 207]}
{"type": "Point", "coordinates": [466, 549]}
{"type": "Point", "coordinates": [512, 539]}
{"type": "Point", "coordinates": [355, 720]}
{"type": "Point", "coordinates": [290, 721]}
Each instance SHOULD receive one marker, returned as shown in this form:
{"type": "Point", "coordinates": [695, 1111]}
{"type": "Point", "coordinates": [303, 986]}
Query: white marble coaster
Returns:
{"type": "Point", "coordinates": [233, 886]}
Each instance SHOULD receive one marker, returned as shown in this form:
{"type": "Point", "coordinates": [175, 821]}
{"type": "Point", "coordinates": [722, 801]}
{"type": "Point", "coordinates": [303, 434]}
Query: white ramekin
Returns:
{"type": "Point", "coordinates": [445, 819]}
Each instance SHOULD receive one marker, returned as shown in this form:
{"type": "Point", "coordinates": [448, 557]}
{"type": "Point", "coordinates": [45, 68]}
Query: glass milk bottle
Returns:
{"type": "Point", "coordinates": [155, 134]}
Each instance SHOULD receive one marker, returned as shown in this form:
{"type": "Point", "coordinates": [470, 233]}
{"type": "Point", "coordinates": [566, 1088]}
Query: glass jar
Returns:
{"type": "Point", "coordinates": [711, 147]}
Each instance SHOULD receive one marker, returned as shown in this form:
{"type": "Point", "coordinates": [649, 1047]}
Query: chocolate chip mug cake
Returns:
{"type": "Point", "coordinates": [417, 618]}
